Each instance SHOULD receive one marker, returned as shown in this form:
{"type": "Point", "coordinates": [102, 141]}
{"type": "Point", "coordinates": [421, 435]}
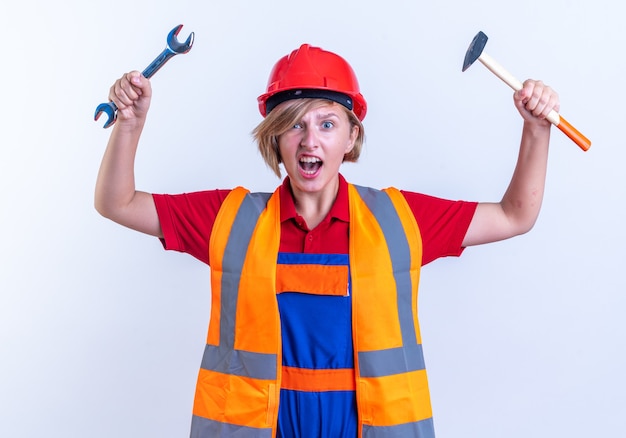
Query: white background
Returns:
{"type": "Point", "coordinates": [101, 331]}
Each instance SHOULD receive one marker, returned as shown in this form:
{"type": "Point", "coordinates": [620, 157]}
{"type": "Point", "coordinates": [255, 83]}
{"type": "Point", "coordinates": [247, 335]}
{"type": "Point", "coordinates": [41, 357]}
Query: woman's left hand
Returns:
{"type": "Point", "coordinates": [535, 101]}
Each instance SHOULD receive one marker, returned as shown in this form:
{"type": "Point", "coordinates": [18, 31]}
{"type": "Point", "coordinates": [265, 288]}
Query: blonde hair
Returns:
{"type": "Point", "coordinates": [284, 116]}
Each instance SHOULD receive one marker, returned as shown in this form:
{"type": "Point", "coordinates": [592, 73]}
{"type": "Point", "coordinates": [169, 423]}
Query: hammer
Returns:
{"type": "Point", "coordinates": [475, 51]}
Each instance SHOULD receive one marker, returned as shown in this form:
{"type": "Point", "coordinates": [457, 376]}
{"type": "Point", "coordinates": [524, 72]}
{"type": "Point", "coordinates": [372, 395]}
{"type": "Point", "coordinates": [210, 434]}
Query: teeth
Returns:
{"type": "Point", "coordinates": [310, 160]}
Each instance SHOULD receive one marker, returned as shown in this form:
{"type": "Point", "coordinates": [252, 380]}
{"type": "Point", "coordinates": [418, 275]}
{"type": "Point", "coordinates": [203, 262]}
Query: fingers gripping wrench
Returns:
{"type": "Point", "coordinates": [174, 47]}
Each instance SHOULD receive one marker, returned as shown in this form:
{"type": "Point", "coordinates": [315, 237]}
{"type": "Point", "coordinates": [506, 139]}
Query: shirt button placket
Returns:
{"type": "Point", "coordinates": [308, 246]}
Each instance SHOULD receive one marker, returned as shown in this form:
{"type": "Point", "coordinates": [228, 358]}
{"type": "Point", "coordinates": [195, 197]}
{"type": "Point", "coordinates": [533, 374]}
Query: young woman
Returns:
{"type": "Point", "coordinates": [314, 328]}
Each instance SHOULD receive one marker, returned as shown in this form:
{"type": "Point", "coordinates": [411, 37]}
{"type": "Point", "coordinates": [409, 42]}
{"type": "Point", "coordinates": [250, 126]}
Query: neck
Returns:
{"type": "Point", "coordinates": [314, 206]}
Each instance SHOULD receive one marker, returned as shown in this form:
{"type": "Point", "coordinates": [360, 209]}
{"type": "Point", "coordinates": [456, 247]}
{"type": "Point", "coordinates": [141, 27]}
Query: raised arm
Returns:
{"type": "Point", "coordinates": [115, 196]}
{"type": "Point", "coordinates": [519, 208]}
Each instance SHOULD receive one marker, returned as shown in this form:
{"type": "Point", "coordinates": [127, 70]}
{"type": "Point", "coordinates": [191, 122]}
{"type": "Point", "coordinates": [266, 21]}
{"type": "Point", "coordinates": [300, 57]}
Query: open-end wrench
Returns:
{"type": "Point", "coordinates": [174, 47]}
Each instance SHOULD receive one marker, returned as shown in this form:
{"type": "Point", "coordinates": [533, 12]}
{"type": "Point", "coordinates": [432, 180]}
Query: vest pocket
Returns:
{"type": "Point", "coordinates": [312, 278]}
{"type": "Point", "coordinates": [272, 403]}
{"type": "Point", "coordinates": [364, 407]}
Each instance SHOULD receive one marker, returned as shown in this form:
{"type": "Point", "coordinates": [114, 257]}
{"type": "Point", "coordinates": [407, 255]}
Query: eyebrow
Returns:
{"type": "Point", "coordinates": [327, 115]}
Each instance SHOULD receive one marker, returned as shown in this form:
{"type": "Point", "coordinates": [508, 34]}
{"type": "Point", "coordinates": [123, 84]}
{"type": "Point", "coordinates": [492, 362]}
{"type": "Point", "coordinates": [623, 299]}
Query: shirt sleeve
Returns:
{"type": "Point", "coordinates": [443, 224]}
{"type": "Point", "coordinates": [187, 220]}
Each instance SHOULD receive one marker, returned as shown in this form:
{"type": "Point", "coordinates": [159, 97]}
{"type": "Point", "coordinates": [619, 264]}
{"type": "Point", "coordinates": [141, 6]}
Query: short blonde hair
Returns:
{"type": "Point", "coordinates": [284, 116]}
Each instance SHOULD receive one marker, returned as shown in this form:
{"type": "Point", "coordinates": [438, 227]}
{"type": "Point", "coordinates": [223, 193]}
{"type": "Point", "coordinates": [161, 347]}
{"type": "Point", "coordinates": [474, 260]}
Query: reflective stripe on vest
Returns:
{"type": "Point", "coordinates": [224, 358]}
{"type": "Point", "coordinates": [386, 253]}
{"type": "Point", "coordinates": [239, 382]}
{"type": "Point", "coordinates": [409, 356]}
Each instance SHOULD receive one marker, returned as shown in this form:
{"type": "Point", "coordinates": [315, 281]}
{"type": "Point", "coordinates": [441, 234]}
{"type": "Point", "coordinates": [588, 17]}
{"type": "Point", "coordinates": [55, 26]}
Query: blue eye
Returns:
{"type": "Point", "coordinates": [297, 126]}
{"type": "Point", "coordinates": [327, 125]}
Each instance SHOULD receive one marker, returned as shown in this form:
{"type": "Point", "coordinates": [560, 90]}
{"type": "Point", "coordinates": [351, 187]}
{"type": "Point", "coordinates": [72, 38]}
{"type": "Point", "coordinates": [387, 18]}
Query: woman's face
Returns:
{"type": "Point", "coordinates": [313, 149]}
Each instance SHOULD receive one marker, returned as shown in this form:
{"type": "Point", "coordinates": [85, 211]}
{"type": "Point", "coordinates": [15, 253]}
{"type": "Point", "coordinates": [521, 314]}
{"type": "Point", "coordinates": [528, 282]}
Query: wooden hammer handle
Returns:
{"type": "Point", "coordinates": [553, 117]}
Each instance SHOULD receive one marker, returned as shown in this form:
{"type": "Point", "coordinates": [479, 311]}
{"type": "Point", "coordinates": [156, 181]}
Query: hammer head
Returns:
{"type": "Point", "coordinates": [474, 50]}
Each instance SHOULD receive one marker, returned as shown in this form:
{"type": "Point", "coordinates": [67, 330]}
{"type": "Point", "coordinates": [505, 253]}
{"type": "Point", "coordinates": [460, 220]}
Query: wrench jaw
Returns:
{"type": "Point", "coordinates": [176, 46]}
{"type": "Point", "coordinates": [111, 111]}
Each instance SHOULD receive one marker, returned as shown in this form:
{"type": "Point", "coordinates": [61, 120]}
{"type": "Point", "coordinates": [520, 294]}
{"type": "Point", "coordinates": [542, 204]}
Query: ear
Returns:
{"type": "Point", "coordinates": [354, 132]}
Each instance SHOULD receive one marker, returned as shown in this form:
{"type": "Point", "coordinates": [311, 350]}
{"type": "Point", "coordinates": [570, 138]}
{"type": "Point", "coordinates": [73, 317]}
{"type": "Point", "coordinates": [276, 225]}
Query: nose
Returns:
{"type": "Point", "coordinates": [309, 138]}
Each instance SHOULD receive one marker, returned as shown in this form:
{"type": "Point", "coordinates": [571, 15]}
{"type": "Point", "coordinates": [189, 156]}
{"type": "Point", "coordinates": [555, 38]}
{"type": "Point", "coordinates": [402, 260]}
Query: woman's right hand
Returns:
{"type": "Point", "coordinates": [131, 94]}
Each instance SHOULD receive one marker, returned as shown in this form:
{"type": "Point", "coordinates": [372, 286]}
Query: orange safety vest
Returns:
{"type": "Point", "coordinates": [240, 377]}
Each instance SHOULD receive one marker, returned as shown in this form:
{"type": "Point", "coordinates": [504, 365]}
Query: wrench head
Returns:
{"type": "Point", "coordinates": [111, 111]}
{"type": "Point", "coordinates": [176, 46]}
{"type": "Point", "coordinates": [474, 50]}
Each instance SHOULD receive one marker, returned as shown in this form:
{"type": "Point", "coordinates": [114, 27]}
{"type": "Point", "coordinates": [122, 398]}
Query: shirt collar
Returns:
{"type": "Point", "coordinates": [339, 210]}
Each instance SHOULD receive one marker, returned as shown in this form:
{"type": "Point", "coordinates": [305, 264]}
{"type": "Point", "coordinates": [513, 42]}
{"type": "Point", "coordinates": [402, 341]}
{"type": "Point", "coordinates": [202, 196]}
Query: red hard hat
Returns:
{"type": "Point", "coordinates": [316, 73]}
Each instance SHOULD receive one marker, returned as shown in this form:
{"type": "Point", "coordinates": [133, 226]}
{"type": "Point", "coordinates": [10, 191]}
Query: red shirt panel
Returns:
{"type": "Point", "coordinates": [187, 220]}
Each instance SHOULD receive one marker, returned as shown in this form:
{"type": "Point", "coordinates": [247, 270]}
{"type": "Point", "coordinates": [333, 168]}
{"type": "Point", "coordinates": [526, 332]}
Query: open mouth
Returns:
{"type": "Point", "coordinates": [310, 165]}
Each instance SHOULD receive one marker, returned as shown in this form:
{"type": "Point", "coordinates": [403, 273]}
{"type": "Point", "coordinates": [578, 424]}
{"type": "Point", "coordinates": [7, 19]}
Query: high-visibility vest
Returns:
{"type": "Point", "coordinates": [239, 381]}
